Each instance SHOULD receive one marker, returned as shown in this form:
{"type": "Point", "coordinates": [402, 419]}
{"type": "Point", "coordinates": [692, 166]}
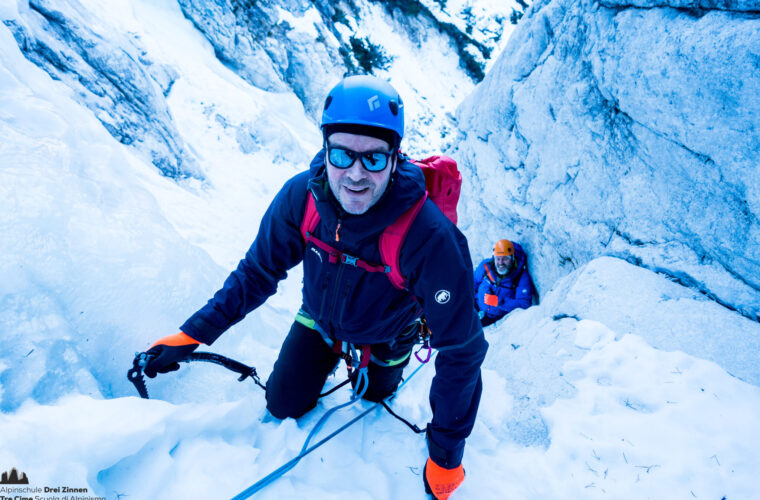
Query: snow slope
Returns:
{"type": "Point", "coordinates": [573, 408]}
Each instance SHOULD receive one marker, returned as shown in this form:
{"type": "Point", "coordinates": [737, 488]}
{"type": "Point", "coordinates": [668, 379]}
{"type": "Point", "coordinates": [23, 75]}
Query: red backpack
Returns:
{"type": "Point", "coordinates": [443, 183]}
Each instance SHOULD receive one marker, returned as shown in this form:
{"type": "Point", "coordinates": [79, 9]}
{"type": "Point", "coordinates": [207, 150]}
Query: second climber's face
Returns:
{"type": "Point", "coordinates": [502, 263]}
{"type": "Point", "coordinates": [354, 170]}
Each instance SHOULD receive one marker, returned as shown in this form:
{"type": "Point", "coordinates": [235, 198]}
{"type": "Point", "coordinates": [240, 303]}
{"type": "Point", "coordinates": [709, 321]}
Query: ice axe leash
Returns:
{"type": "Point", "coordinates": [135, 374]}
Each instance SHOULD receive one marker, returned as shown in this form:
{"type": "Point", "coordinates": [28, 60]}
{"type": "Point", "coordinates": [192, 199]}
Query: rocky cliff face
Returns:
{"type": "Point", "coordinates": [625, 128]}
{"type": "Point", "coordinates": [306, 46]}
{"type": "Point", "coordinates": [108, 72]}
{"type": "Point", "coordinates": [280, 46]}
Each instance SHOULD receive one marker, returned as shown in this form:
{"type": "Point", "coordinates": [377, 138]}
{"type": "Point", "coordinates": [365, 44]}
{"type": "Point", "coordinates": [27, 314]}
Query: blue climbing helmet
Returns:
{"type": "Point", "coordinates": [364, 100]}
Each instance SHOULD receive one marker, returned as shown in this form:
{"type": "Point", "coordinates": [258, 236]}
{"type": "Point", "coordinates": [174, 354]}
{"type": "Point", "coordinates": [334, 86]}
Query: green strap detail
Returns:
{"type": "Point", "coordinates": [400, 360]}
{"type": "Point", "coordinates": [306, 320]}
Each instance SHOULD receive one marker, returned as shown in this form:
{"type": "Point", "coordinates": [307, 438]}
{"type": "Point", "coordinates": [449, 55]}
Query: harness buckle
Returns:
{"type": "Point", "coordinates": [347, 259]}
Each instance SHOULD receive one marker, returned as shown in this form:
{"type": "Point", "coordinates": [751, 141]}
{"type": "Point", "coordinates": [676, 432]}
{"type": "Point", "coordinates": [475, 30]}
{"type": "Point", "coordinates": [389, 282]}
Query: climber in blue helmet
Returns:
{"type": "Point", "coordinates": [331, 218]}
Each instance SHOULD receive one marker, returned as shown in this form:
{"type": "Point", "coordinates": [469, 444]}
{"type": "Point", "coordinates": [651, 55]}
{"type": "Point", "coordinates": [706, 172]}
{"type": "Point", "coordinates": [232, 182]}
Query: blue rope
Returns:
{"type": "Point", "coordinates": [362, 383]}
{"type": "Point", "coordinates": [305, 449]}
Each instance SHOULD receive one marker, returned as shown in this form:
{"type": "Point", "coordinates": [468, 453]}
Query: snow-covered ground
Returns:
{"type": "Point", "coordinates": [621, 384]}
{"type": "Point", "coordinates": [571, 409]}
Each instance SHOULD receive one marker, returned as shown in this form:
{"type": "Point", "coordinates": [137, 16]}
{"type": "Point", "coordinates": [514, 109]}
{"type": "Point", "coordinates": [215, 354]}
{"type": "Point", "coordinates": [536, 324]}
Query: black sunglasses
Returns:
{"type": "Point", "coordinates": [373, 161]}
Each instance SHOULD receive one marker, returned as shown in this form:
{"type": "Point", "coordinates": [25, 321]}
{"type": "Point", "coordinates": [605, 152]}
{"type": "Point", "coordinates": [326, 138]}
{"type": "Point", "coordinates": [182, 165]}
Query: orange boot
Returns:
{"type": "Point", "coordinates": [441, 482]}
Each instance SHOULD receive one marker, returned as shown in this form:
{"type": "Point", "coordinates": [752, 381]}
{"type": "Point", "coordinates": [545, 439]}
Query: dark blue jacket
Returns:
{"type": "Point", "coordinates": [515, 290]}
{"type": "Point", "coordinates": [361, 307]}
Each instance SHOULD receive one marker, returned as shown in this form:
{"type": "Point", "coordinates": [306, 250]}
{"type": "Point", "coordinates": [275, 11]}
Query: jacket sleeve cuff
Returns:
{"type": "Point", "coordinates": [202, 331]}
{"type": "Point", "coordinates": [446, 458]}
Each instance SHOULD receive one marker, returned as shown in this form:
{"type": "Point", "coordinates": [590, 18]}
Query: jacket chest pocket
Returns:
{"type": "Point", "coordinates": [506, 292]}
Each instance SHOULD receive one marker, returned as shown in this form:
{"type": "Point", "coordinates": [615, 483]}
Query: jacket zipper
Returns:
{"type": "Point", "coordinates": [336, 289]}
{"type": "Point", "coordinates": [343, 305]}
{"type": "Point", "coordinates": [324, 298]}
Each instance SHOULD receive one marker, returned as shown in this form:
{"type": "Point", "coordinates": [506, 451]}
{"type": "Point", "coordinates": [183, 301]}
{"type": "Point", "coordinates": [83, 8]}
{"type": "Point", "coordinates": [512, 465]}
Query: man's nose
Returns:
{"type": "Point", "coordinates": [356, 170]}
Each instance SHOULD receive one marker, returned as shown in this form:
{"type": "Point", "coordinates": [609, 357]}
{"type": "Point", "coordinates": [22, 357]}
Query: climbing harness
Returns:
{"type": "Point", "coordinates": [357, 365]}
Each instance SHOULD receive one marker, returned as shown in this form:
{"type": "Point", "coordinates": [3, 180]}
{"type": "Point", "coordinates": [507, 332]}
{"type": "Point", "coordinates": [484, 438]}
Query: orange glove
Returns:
{"type": "Point", "coordinates": [441, 482]}
{"type": "Point", "coordinates": [165, 353]}
{"type": "Point", "coordinates": [491, 300]}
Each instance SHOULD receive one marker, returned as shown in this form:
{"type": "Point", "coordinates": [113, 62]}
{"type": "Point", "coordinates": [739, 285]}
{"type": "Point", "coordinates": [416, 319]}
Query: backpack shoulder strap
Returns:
{"type": "Point", "coordinates": [393, 238]}
{"type": "Point", "coordinates": [310, 217]}
{"type": "Point", "coordinates": [490, 276]}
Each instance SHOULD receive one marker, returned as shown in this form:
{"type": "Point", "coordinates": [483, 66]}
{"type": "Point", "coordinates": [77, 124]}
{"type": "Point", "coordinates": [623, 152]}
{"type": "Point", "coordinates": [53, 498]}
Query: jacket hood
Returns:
{"type": "Point", "coordinates": [406, 186]}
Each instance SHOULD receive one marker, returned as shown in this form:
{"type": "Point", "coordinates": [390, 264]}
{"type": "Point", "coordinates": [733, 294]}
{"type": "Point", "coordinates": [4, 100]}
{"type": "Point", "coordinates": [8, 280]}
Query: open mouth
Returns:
{"type": "Point", "coordinates": [356, 189]}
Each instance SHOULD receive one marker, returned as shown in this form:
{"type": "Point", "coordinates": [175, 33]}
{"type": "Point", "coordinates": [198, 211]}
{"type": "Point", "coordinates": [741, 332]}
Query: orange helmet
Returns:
{"type": "Point", "coordinates": [502, 248]}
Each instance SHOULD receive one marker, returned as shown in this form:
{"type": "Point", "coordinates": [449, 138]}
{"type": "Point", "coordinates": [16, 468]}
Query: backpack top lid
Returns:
{"type": "Point", "coordinates": [443, 182]}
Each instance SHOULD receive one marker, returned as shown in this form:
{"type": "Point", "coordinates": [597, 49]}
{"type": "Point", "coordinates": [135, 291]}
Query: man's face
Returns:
{"type": "Point", "coordinates": [502, 263]}
{"type": "Point", "coordinates": [356, 188]}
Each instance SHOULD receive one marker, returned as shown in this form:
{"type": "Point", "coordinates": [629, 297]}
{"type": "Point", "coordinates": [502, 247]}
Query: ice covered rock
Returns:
{"type": "Point", "coordinates": [259, 43]}
{"type": "Point", "coordinates": [114, 77]}
{"type": "Point", "coordinates": [432, 56]}
{"type": "Point", "coordinates": [696, 5]}
{"type": "Point", "coordinates": [90, 268]}
{"type": "Point", "coordinates": [282, 47]}
{"type": "Point", "coordinates": [607, 129]}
